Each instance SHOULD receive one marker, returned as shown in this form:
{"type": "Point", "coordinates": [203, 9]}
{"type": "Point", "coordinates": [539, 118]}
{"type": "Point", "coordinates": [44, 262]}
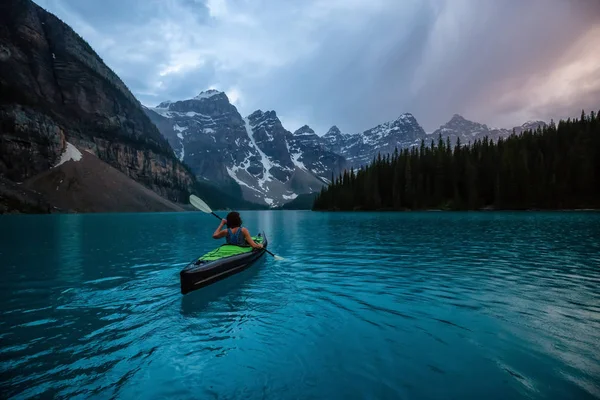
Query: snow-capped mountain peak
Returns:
{"type": "Point", "coordinates": [304, 130]}
{"type": "Point", "coordinates": [407, 117]}
{"type": "Point", "coordinates": [362, 148]}
{"type": "Point", "coordinates": [458, 122]}
{"type": "Point", "coordinates": [208, 94]}
{"type": "Point", "coordinates": [533, 124]}
{"type": "Point", "coordinates": [530, 126]}
{"type": "Point", "coordinates": [254, 156]}
{"type": "Point", "coordinates": [334, 131]}
{"type": "Point", "coordinates": [335, 141]}
{"type": "Point", "coordinates": [469, 131]}
{"type": "Point", "coordinates": [259, 159]}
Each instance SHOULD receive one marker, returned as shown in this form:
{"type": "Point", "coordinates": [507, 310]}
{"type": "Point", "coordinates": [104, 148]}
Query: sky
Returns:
{"type": "Point", "coordinates": [354, 63]}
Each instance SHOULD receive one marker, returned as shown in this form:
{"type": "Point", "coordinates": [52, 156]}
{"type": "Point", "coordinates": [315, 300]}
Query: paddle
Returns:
{"type": "Point", "coordinates": [202, 206]}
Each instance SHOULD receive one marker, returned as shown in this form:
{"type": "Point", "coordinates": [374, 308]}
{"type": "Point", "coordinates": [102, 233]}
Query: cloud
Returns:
{"type": "Point", "coordinates": [234, 95]}
{"type": "Point", "coordinates": [354, 63]}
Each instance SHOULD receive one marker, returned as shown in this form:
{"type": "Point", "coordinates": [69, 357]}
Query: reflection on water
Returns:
{"type": "Point", "coordinates": [390, 305]}
{"type": "Point", "coordinates": [68, 233]}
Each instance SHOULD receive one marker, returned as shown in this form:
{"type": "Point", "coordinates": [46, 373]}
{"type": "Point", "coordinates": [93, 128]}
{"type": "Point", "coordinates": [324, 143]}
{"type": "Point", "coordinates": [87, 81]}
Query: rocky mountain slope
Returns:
{"type": "Point", "coordinates": [255, 155]}
{"type": "Point", "coordinates": [15, 199]}
{"type": "Point", "coordinates": [81, 182]}
{"type": "Point", "coordinates": [54, 88]}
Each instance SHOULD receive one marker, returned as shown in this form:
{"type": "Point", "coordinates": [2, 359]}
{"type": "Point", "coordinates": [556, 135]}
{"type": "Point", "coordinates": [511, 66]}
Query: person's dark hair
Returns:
{"type": "Point", "coordinates": [234, 220]}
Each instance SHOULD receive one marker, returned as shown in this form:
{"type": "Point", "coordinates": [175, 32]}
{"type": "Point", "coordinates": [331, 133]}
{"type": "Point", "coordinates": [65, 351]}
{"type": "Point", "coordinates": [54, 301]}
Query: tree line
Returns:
{"type": "Point", "coordinates": [555, 167]}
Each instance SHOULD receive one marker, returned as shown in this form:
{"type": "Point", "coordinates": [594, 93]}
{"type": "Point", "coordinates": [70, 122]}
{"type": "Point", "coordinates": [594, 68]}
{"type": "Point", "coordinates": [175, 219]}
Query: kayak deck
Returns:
{"type": "Point", "coordinates": [228, 250]}
{"type": "Point", "coordinates": [220, 263]}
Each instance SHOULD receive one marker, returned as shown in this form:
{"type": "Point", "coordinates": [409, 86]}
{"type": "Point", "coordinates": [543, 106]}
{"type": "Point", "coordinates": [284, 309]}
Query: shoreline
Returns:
{"type": "Point", "coordinates": [316, 211]}
{"type": "Point", "coordinates": [531, 210]}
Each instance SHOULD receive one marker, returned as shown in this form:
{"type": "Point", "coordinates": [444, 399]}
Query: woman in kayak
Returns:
{"type": "Point", "coordinates": [235, 234]}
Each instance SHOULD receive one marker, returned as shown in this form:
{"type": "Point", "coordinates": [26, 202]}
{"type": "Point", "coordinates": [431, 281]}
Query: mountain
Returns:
{"type": "Point", "coordinates": [254, 157]}
{"type": "Point", "coordinates": [469, 131]}
{"type": "Point", "coordinates": [529, 126]}
{"type": "Point", "coordinates": [527, 172]}
{"type": "Point", "coordinates": [334, 140]}
{"type": "Point", "coordinates": [360, 149]}
{"type": "Point", "coordinates": [309, 153]}
{"type": "Point", "coordinates": [404, 132]}
{"type": "Point", "coordinates": [265, 163]}
{"type": "Point", "coordinates": [56, 92]}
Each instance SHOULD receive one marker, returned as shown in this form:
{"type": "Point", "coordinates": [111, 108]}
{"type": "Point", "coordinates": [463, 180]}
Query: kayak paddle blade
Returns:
{"type": "Point", "coordinates": [199, 204]}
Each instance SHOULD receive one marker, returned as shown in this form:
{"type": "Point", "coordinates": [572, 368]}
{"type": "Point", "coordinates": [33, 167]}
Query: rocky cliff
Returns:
{"type": "Point", "coordinates": [54, 88]}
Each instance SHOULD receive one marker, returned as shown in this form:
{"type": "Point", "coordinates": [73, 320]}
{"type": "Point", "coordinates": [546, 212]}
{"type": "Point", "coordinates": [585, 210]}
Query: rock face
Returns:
{"type": "Point", "coordinates": [309, 152]}
{"type": "Point", "coordinates": [55, 88]}
{"type": "Point", "coordinates": [15, 199]}
{"type": "Point", "coordinates": [255, 156]}
{"type": "Point", "coordinates": [335, 141]}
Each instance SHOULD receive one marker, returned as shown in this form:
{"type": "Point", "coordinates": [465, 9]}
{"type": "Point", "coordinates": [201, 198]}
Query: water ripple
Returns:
{"type": "Point", "coordinates": [418, 305]}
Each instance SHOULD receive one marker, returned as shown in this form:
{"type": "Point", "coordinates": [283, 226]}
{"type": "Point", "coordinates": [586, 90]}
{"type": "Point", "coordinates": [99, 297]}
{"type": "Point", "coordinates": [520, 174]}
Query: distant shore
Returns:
{"type": "Point", "coordinates": [474, 210]}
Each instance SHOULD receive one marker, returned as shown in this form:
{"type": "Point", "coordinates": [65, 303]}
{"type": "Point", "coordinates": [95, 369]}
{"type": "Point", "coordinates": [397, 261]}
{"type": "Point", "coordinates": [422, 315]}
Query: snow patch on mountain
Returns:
{"type": "Point", "coordinates": [233, 174]}
{"type": "Point", "coordinates": [296, 160]}
{"type": "Point", "coordinates": [207, 94]}
{"type": "Point", "coordinates": [266, 163]}
{"type": "Point", "coordinates": [70, 153]}
{"type": "Point", "coordinates": [167, 113]}
{"type": "Point", "coordinates": [180, 130]}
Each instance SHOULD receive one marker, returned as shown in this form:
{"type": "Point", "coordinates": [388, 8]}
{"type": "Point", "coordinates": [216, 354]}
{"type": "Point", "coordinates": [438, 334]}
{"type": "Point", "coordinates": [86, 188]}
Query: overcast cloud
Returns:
{"type": "Point", "coordinates": [354, 63]}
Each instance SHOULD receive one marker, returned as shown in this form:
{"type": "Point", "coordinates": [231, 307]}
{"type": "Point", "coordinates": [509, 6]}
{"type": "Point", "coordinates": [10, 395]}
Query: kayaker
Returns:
{"type": "Point", "coordinates": [235, 234]}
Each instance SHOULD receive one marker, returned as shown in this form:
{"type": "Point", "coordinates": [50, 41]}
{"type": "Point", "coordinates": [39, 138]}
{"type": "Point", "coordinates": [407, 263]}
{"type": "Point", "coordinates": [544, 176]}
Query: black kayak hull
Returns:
{"type": "Point", "coordinates": [194, 277]}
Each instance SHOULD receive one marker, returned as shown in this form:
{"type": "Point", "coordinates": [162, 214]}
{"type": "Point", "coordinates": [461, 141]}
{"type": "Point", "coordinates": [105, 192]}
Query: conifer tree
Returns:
{"type": "Point", "coordinates": [552, 167]}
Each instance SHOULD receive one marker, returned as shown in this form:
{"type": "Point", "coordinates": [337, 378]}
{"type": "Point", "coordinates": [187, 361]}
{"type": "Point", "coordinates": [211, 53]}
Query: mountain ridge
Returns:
{"type": "Point", "coordinates": [271, 165]}
{"type": "Point", "coordinates": [405, 132]}
{"type": "Point", "coordinates": [254, 155]}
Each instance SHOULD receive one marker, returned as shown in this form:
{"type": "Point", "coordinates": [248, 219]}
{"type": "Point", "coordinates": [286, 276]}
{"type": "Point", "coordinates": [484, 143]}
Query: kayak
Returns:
{"type": "Point", "coordinates": [220, 263]}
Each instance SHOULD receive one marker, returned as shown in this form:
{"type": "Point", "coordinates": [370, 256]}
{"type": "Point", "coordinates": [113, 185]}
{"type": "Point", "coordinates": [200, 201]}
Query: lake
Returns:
{"type": "Point", "coordinates": [365, 305]}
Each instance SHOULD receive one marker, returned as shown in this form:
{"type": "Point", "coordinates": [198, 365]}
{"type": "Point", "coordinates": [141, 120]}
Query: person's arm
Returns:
{"type": "Point", "coordinates": [219, 233]}
{"type": "Point", "coordinates": [249, 239]}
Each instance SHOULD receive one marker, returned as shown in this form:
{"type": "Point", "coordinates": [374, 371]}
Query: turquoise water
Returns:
{"type": "Point", "coordinates": [390, 305]}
